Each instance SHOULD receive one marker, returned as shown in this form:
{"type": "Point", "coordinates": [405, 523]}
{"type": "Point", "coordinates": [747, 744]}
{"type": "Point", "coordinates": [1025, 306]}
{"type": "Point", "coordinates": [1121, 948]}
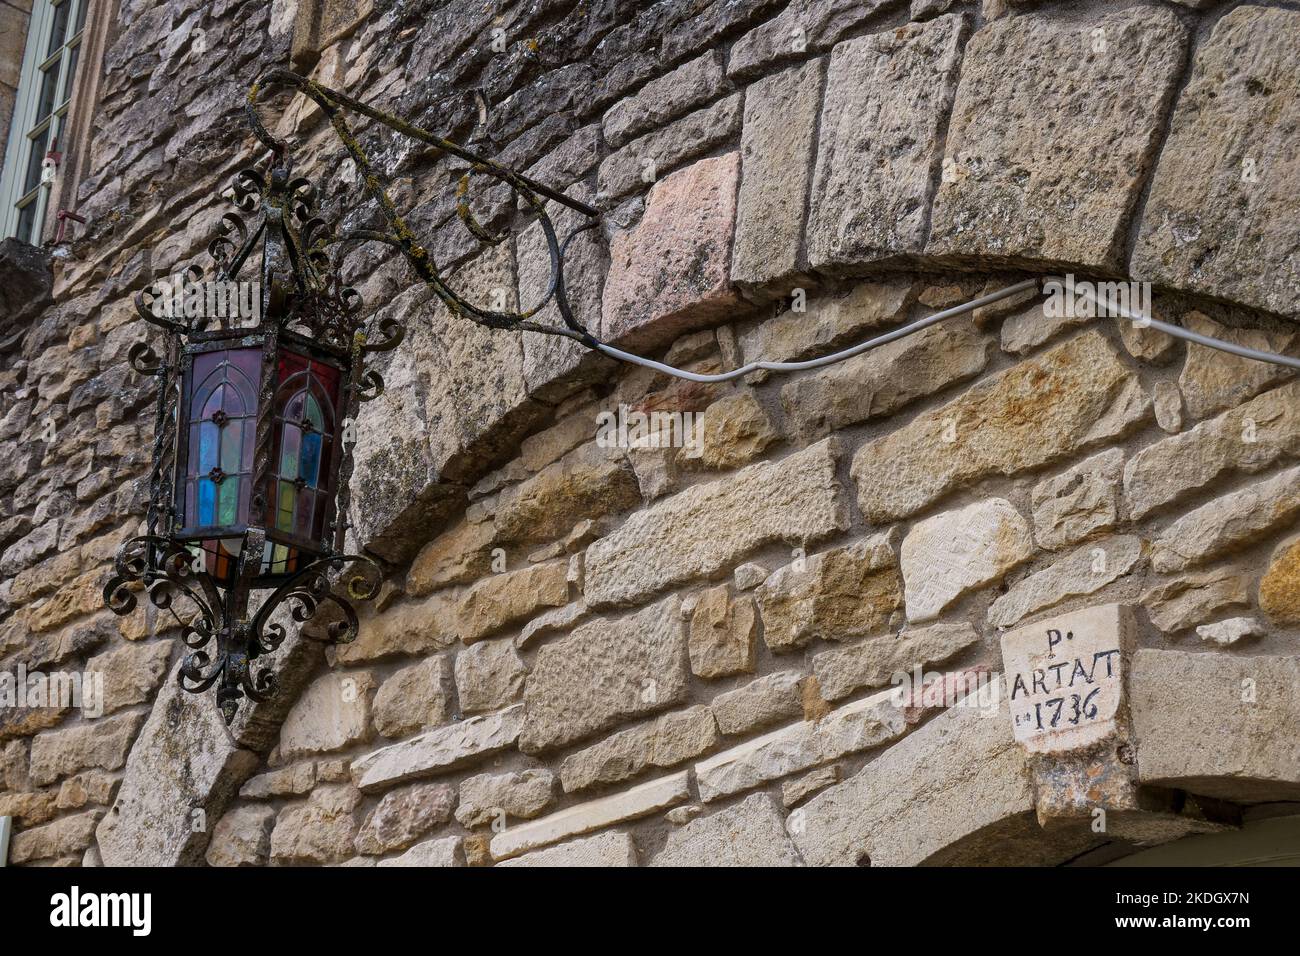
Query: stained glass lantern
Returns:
{"type": "Point", "coordinates": [259, 377]}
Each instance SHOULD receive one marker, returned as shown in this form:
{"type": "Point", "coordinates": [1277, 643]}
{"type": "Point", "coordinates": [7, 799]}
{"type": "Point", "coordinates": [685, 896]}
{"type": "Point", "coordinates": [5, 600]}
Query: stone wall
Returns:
{"type": "Point", "coordinates": [619, 655]}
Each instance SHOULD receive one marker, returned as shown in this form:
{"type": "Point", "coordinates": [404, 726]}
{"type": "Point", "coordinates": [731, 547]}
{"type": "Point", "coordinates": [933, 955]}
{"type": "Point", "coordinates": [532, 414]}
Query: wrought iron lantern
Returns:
{"type": "Point", "coordinates": [260, 376]}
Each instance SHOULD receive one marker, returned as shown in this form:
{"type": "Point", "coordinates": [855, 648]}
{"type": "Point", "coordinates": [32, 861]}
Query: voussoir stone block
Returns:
{"type": "Point", "coordinates": [751, 833]}
{"type": "Point", "coordinates": [1223, 214]}
{"type": "Point", "coordinates": [1218, 724]}
{"type": "Point", "coordinates": [776, 148]}
{"type": "Point", "coordinates": [945, 781]}
{"type": "Point", "coordinates": [706, 528]}
{"type": "Point", "coordinates": [670, 274]}
{"type": "Point", "coordinates": [1019, 187]}
{"type": "Point", "coordinates": [151, 822]}
{"type": "Point", "coordinates": [604, 672]}
{"type": "Point", "coordinates": [1073, 396]}
{"type": "Point", "coordinates": [887, 99]}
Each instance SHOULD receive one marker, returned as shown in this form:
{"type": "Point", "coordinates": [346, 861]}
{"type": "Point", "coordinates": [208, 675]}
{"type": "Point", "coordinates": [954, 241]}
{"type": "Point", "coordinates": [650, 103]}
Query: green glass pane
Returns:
{"type": "Point", "coordinates": [232, 437]}
{"type": "Point", "coordinates": [288, 497]}
{"type": "Point", "coordinates": [228, 499]}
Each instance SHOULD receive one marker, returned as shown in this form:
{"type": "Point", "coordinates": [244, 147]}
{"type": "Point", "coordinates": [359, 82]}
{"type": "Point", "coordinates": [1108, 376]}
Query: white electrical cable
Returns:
{"type": "Point", "coordinates": [929, 320]}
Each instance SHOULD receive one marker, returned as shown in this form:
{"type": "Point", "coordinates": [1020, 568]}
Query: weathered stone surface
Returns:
{"type": "Point", "coordinates": [887, 99]}
{"type": "Point", "coordinates": [285, 782]}
{"type": "Point", "coordinates": [707, 527]}
{"type": "Point", "coordinates": [958, 551]}
{"type": "Point", "coordinates": [1232, 521]}
{"type": "Point", "coordinates": [65, 836]}
{"type": "Point", "coordinates": [1167, 403]}
{"type": "Point", "coordinates": [1079, 501]}
{"type": "Point", "coordinates": [322, 830]}
{"type": "Point", "coordinates": [736, 430]}
{"type": "Point", "coordinates": [834, 595]}
{"type": "Point", "coordinates": [560, 619]}
{"type": "Point", "coordinates": [769, 700]}
{"type": "Point", "coordinates": [873, 662]}
{"type": "Point", "coordinates": [446, 851]}
{"type": "Point", "coordinates": [604, 672]}
{"type": "Point", "coordinates": [404, 815]}
{"type": "Point", "coordinates": [799, 789]}
{"type": "Point", "coordinates": [414, 698]}
{"type": "Point", "coordinates": [646, 159]}
{"type": "Point", "coordinates": [948, 779]}
{"type": "Point", "coordinates": [242, 837]}
{"type": "Point", "coordinates": [1071, 397]}
{"type": "Point", "coordinates": [751, 833]}
{"type": "Point", "coordinates": [102, 743]}
{"type": "Point", "coordinates": [670, 274]}
{"type": "Point", "coordinates": [29, 809]}
{"type": "Point", "coordinates": [776, 149]}
{"type": "Point", "coordinates": [803, 26]}
{"type": "Point", "coordinates": [131, 673]}
{"type": "Point", "coordinates": [826, 322]}
{"type": "Point", "coordinates": [1279, 589]}
{"type": "Point", "coordinates": [663, 742]}
{"type": "Point", "coordinates": [489, 676]}
{"type": "Point", "coordinates": [1147, 344]}
{"type": "Point", "coordinates": [594, 815]}
{"type": "Point", "coordinates": [459, 556]}
{"type": "Point", "coordinates": [852, 728]}
{"type": "Point", "coordinates": [1212, 724]}
{"type": "Point", "coordinates": [333, 713]}
{"type": "Point", "coordinates": [499, 600]}
{"type": "Point", "coordinates": [1085, 570]}
{"type": "Point", "coordinates": [605, 849]}
{"type": "Point", "coordinates": [1248, 438]}
{"type": "Point", "coordinates": [450, 390]}
{"type": "Point", "coordinates": [588, 482]}
{"type": "Point", "coordinates": [519, 794]}
{"type": "Point", "coordinates": [183, 761]}
{"type": "Point", "coordinates": [722, 634]}
{"type": "Point", "coordinates": [411, 627]}
{"type": "Point", "coordinates": [1222, 209]}
{"type": "Point", "coordinates": [693, 83]}
{"type": "Point", "coordinates": [1212, 380]}
{"type": "Point", "coordinates": [1187, 600]}
{"type": "Point", "coordinates": [438, 750]}
{"type": "Point", "coordinates": [880, 382]}
{"type": "Point", "coordinates": [1014, 186]}
{"type": "Point", "coordinates": [1029, 328]}
{"type": "Point", "coordinates": [1225, 633]}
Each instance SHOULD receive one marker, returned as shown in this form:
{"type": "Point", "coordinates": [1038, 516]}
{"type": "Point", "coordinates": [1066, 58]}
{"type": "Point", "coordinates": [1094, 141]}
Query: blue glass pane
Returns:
{"type": "Point", "coordinates": [209, 436]}
{"type": "Point", "coordinates": [207, 502]}
{"type": "Point", "coordinates": [310, 458]}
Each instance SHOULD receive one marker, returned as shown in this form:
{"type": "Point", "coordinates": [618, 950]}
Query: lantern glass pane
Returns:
{"type": "Point", "coordinates": [307, 394]}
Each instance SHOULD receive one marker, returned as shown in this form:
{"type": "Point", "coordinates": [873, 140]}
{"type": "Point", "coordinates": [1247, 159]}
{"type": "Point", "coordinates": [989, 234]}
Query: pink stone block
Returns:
{"type": "Point", "coordinates": [670, 273]}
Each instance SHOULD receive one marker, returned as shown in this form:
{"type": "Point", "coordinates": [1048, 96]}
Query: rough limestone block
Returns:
{"type": "Point", "coordinates": [958, 551]}
{"type": "Point", "coordinates": [874, 661]}
{"type": "Point", "coordinates": [604, 672]}
{"type": "Point", "coordinates": [670, 274]}
{"type": "Point", "coordinates": [1069, 398]}
{"type": "Point", "coordinates": [1079, 501]}
{"type": "Point", "coordinates": [775, 698]}
{"type": "Point", "coordinates": [692, 84]}
{"type": "Point", "coordinates": [1212, 381]}
{"type": "Point", "coordinates": [1248, 439]}
{"type": "Point", "coordinates": [1223, 214]}
{"type": "Point", "coordinates": [1018, 187]}
{"type": "Point", "coordinates": [887, 100]}
{"type": "Point", "coordinates": [1228, 523]}
{"type": "Point", "coordinates": [444, 851]}
{"type": "Point", "coordinates": [776, 149]}
{"type": "Point", "coordinates": [1221, 725]}
{"type": "Point", "coordinates": [1086, 570]}
{"type": "Point", "coordinates": [852, 728]}
{"type": "Point", "coordinates": [152, 819]}
{"type": "Point", "coordinates": [438, 750]}
{"type": "Point", "coordinates": [331, 714]}
{"type": "Point", "coordinates": [594, 815]}
{"type": "Point", "coordinates": [606, 849]}
{"type": "Point", "coordinates": [751, 833]}
{"type": "Point", "coordinates": [242, 837]}
{"type": "Point", "coordinates": [947, 780]}
{"type": "Point", "coordinates": [708, 527]}
{"type": "Point", "coordinates": [663, 742]}
{"type": "Point", "coordinates": [1279, 589]}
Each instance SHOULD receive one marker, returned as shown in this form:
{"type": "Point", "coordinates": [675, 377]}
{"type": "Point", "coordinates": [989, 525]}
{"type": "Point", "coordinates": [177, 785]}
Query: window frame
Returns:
{"type": "Point", "coordinates": [27, 126]}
